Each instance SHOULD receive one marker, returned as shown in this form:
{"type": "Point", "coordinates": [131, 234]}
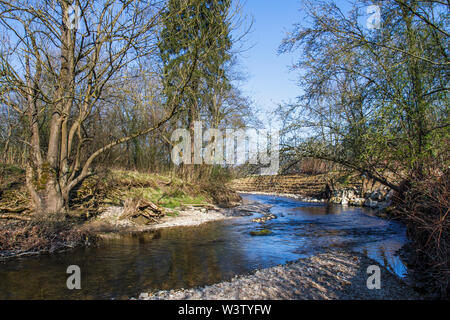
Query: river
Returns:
{"type": "Point", "coordinates": [186, 257]}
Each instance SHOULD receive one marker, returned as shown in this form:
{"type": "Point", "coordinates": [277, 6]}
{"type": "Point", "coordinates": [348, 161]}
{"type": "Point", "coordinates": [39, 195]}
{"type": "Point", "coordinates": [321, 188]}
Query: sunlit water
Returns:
{"type": "Point", "coordinates": [196, 256]}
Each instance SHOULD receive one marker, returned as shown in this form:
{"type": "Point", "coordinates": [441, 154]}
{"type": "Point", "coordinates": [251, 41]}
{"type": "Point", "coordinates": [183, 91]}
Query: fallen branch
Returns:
{"type": "Point", "coordinates": [14, 217]}
{"type": "Point", "coordinates": [15, 210]}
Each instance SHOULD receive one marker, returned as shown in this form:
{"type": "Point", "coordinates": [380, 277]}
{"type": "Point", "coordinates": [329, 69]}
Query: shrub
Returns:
{"type": "Point", "coordinates": [425, 209]}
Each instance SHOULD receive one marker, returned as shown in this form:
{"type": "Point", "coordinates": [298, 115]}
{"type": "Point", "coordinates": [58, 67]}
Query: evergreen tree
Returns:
{"type": "Point", "coordinates": [195, 43]}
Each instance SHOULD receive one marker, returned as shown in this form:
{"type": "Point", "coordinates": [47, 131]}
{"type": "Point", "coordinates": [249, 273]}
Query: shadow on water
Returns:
{"type": "Point", "coordinates": [197, 256]}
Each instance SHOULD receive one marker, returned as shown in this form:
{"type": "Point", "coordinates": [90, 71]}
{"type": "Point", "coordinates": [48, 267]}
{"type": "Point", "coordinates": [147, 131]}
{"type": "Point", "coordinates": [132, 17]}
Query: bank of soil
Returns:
{"type": "Point", "coordinates": [311, 186]}
{"type": "Point", "coordinates": [335, 275]}
{"type": "Point", "coordinates": [95, 209]}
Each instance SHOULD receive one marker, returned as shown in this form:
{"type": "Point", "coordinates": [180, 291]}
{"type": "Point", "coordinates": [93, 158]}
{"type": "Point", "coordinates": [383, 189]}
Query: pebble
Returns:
{"type": "Point", "coordinates": [329, 276]}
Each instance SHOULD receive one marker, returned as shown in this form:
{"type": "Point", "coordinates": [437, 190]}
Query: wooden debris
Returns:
{"type": "Point", "coordinates": [141, 211]}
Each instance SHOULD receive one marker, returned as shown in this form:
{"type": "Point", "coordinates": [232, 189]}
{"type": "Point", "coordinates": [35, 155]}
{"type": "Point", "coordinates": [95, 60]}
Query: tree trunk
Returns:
{"type": "Point", "coordinates": [54, 202]}
{"type": "Point", "coordinates": [46, 194]}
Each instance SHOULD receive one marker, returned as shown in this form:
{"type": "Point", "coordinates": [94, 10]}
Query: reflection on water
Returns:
{"type": "Point", "coordinates": [197, 256]}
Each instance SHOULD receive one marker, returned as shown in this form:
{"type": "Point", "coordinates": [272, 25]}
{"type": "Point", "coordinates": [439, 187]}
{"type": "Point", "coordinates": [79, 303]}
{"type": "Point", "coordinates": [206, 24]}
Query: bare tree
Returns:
{"type": "Point", "coordinates": [60, 59]}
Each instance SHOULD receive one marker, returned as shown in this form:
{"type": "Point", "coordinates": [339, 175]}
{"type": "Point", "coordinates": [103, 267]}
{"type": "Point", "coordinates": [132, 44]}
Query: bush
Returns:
{"type": "Point", "coordinates": [425, 209]}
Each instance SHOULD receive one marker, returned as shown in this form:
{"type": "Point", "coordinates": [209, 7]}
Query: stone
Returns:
{"type": "Point", "coordinates": [359, 202]}
{"type": "Point", "coordinates": [265, 218]}
{"type": "Point", "coordinates": [336, 200]}
{"type": "Point", "coordinates": [143, 296]}
{"type": "Point", "coordinates": [371, 203]}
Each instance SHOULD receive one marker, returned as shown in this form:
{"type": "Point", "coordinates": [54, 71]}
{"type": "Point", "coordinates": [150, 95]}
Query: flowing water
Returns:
{"type": "Point", "coordinates": [187, 257]}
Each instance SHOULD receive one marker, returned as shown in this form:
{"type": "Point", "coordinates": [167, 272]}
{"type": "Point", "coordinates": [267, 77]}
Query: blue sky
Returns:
{"type": "Point", "coordinates": [269, 81]}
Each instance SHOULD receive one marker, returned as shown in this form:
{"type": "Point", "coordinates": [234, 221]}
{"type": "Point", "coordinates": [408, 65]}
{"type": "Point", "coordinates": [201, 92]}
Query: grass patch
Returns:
{"type": "Point", "coordinates": [113, 187]}
{"type": "Point", "coordinates": [167, 199]}
{"type": "Point", "coordinates": [10, 170]}
{"type": "Point", "coordinates": [173, 214]}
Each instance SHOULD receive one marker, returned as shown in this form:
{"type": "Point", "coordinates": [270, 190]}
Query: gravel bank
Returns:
{"type": "Point", "coordinates": [109, 224]}
{"type": "Point", "coordinates": [191, 217]}
{"type": "Point", "coordinates": [109, 221]}
{"type": "Point", "coordinates": [336, 275]}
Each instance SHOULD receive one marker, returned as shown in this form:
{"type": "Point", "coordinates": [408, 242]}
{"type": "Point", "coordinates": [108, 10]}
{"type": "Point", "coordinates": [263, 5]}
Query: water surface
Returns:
{"type": "Point", "coordinates": [187, 257]}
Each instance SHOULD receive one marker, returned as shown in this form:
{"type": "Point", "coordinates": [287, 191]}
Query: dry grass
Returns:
{"type": "Point", "coordinates": [40, 235]}
{"type": "Point", "coordinates": [14, 199]}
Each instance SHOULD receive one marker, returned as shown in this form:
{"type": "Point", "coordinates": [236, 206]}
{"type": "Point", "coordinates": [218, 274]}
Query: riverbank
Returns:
{"type": "Point", "coordinates": [333, 187]}
{"type": "Point", "coordinates": [336, 275]}
{"type": "Point", "coordinates": [97, 205]}
{"type": "Point", "coordinates": [376, 200]}
{"type": "Point", "coordinates": [108, 224]}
